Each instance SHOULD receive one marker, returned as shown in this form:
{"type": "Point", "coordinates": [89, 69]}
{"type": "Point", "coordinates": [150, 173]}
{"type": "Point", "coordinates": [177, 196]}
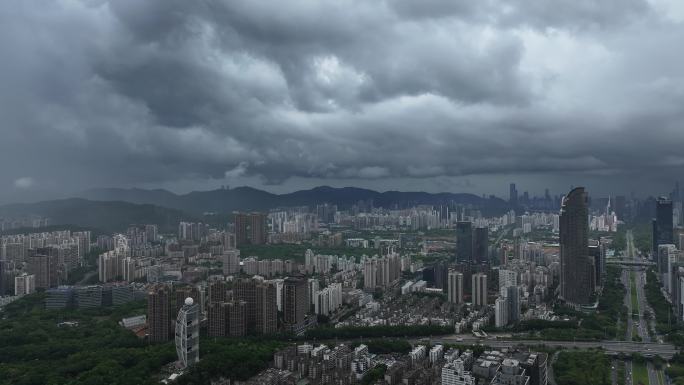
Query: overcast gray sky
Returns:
{"type": "Point", "coordinates": [435, 95]}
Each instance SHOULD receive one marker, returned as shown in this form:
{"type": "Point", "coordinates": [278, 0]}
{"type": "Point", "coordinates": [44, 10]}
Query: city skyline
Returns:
{"type": "Point", "coordinates": [342, 192]}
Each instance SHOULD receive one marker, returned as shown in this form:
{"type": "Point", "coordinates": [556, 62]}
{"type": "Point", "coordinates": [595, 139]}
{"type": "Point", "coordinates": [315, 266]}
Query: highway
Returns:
{"type": "Point", "coordinates": [610, 346]}
{"type": "Point", "coordinates": [644, 328]}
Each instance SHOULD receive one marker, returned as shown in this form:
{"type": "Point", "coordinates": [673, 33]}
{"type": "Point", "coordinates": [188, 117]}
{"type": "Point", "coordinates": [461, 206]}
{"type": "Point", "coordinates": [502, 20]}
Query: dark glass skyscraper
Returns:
{"type": "Point", "coordinates": [481, 245]}
{"type": "Point", "coordinates": [662, 227]}
{"type": "Point", "coordinates": [464, 242]}
{"type": "Point", "coordinates": [513, 195]}
{"type": "Point", "coordinates": [294, 304]}
{"type": "Point", "coordinates": [577, 267]}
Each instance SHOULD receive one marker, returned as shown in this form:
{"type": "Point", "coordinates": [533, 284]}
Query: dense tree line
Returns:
{"type": "Point", "coordinates": [387, 346]}
{"type": "Point", "coordinates": [582, 368]}
{"type": "Point", "coordinates": [374, 375]}
{"type": "Point", "coordinates": [35, 349]}
{"type": "Point", "coordinates": [665, 320]}
{"type": "Point", "coordinates": [234, 359]}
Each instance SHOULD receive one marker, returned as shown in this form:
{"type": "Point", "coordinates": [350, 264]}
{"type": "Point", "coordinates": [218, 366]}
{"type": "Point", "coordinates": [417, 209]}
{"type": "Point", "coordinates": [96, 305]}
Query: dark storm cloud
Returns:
{"type": "Point", "coordinates": [128, 92]}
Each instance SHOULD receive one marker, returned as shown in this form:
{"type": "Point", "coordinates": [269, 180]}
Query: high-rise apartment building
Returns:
{"type": "Point", "coordinates": [236, 316]}
{"type": "Point", "coordinates": [24, 284]}
{"type": "Point", "coordinates": [267, 306]}
{"type": "Point", "coordinates": [158, 313]}
{"type": "Point", "coordinates": [577, 267]}
{"type": "Point", "coordinates": [245, 290]}
{"type": "Point", "coordinates": [455, 287]}
{"type": "Point", "coordinates": [250, 228]}
{"type": "Point", "coordinates": [218, 291]}
{"type": "Point", "coordinates": [479, 290]}
{"type": "Point", "coordinates": [231, 261]}
{"type": "Point", "coordinates": [513, 302]}
{"type": "Point", "coordinates": [216, 319]}
{"type": "Point", "coordinates": [500, 312]}
{"type": "Point", "coordinates": [507, 278]}
{"type": "Point", "coordinates": [44, 268]}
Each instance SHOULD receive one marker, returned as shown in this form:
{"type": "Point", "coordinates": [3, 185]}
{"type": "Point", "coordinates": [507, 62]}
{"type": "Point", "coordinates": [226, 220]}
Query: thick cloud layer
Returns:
{"type": "Point", "coordinates": [382, 93]}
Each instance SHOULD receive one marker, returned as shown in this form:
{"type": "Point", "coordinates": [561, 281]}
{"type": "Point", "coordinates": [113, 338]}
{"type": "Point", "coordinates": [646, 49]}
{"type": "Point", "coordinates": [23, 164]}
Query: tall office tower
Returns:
{"type": "Point", "coordinates": [216, 319]}
{"type": "Point", "coordinates": [218, 292]}
{"type": "Point", "coordinates": [250, 228]}
{"type": "Point", "coordinates": [294, 304]}
{"type": "Point", "coordinates": [267, 305]}
{"type": "Point", "coordinates": [455, 290]}
{"type": "Point", "coordinates": [479, 290]}
{"type": "Point", "coordinates": [464, 242]}
{"type": "Point", "coordinates": [577, 267]}
{"type": "Point", "coordinates": [481, 245]}
{"type": "Point", "coordinates": [512, 195]}
{"type": "Point", "coordinates": [245, 290]}
{"type": "Point", "coordinates": [183, 292]}
{"type": "Point", "coordinates": [513, 300]}
{"type": "Point", "coordinates": [237, 321]}
{"type": "Point", "coordinates": [663, 231]}
{"type": "Point", "coordinates": [187, 333]}
{"type": "Point", "coordinates": [231, 261]}
{"type": "Point", "coordinates": [158, 313]}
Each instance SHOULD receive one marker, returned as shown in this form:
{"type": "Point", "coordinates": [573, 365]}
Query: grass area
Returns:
{"type": "Point", "coordinates": [621, 379]}
{"type": "Point", "coordinates": [635, 332]}
{"type": "Point", "coordinates": [633, 295]}
{"type": "Point", "coordinates": [661, 377]}
{"type": "Point", "coordinates": [582, 368]}
{"type": "Point", "coordinates": [639, 373]}
{"type": "Point", "coordinates": [620, 327]}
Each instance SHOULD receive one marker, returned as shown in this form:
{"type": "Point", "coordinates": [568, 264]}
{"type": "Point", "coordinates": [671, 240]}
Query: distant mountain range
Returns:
{"type": "Point", "coordinates": [247, 198]}
{"type": "Point", "coordinates": [113, 209]}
